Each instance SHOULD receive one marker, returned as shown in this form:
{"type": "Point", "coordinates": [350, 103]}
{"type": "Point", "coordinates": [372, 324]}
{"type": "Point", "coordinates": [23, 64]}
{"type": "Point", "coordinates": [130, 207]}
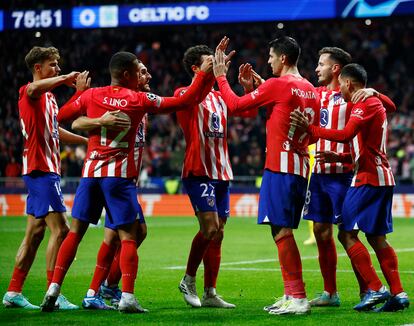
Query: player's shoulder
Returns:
{"type": "Point", "coordinates": [23, 90]}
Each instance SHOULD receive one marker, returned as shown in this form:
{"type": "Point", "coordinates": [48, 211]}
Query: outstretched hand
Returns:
{"type": "Point", "coordinates": [362, 94]}
{"type": "Point", "coordinates": [299, 120]}
{"type": "Point", "coordinates": [224, 43]}
{"type": "Point", "coordinates": [83, 81]}
{"type": "Point", "coordinates": [114, 120]}
{"type": "Point", "coordinates": [327, 157]}
{"type": "Point", "coordinates": [246, 77]}
{"type": "Point", "coordinates": [70, 79]}
{"type": "Point", "coordinates": [257, 79]}
{"type": "Point", "coordinates": [220, 67]}
{"type": "Point", "coordinates": [207, 65]}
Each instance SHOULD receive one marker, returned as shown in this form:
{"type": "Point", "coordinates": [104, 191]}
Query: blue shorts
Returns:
{"type": "Point", "coordinates": [281, 200]}
{"type": "Point", "coordinates": [117, 195]}
{"type": "Point", "coordinates": [45, 194]}
{"type": "Point", "coordinates": [325, 197]}
{"type": "Point", "coordinates": [207, 195]}
{"type": "Point", "coordinates": [367, 208]}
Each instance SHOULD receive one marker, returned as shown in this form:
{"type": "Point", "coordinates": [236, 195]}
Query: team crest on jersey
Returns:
{"type": "Point", "coordinates": [210, 201]}
{"type": "Point", "coordinates": [215, 121]}
{"type": "Point", "coordinates": [286, 145]}
{"type": "Point", "coordinates": [182, 92]}
{"type": "Point", "coordinates": [93, 155]}
{"type": "Point", "coordinates": [337, 99]}
{"type": "Point", "coordinates": [324, 117]}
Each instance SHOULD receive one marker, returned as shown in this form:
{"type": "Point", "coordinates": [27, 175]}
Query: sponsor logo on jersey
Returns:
{"type": "Point", "coordinates": [213, 134]}
{"type": "Point", "coordinates": [357, 113]}
{"type": "Point", "coordinates": [286, 145]}
{"type": "Point", "coordinates": [324, 117]}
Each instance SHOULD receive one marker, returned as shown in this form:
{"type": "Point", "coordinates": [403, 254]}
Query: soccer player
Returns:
{"type": "Point", "coordinates": [41, 168]}
{"type": "Point", "coordinates": [109, 170]}
{"type": "Point", "coordinates": [368, 202]}
{"type": "Point", "coordinates": [206, 174]}
{"type": "Point", "coordinates": [107, 263]}
{"type": "Point", "coordinates": [283, 189]}
{"type": "Point", "coordinates": [330, 181]}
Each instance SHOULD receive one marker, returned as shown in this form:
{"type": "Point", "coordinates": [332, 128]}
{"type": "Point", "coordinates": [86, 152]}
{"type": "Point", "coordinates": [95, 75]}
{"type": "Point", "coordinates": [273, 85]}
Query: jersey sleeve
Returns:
{"type": "Point", "coordinates": [157, 104]}
{"type": "Point", "coordinates": [261, 96]}
{"type": "Point", "coordinates": [388, 104]}
{"type": "Point", "coordinates": [75, 108]}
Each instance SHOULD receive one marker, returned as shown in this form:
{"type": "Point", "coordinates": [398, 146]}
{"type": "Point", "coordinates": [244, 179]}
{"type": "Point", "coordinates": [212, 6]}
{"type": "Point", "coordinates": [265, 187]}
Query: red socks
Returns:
{"type": "Point", "coordinates": [49, 277]}
{"type": "Point", "coordinates": [360, 258]}
{"type": "Point", "coordinates": [327, 263]}
{"type": "Point", "coordinates": [211, 259]}
{"type": "Point", "coordinates": [65, 256]}
{"type": "Point", "coordinates": [115, 274]}
{"type": "Point", "coordinates": [103, 263]}
{"type": "Point", "coordinates": [389, 266]}
{"type": "Point", "coordinates": [17, 280]}
{"type": "Point", "coordinates": [198, 248]}
{"type": "Point", "coordinates": [363, 286]}
{"type": "Point", "coordinates": [128, 264]}
{"type": "Point", "coordinates": [291, 266]}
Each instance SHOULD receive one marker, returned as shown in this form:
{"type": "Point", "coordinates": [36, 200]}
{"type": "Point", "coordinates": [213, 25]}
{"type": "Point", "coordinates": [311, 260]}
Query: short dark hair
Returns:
{"type": "Point", "coordinates": [193, 56]}
{"type": "Point", "coordinates": [337, 54]}
{"type": "Point", "coordinates": [288, 46]}
{"type": "Point", "coordinates": [356, 72]}
{"type": "Point", "coordinates": [40, 54]}
{"type": "Point", "coordinates": [120, 62]}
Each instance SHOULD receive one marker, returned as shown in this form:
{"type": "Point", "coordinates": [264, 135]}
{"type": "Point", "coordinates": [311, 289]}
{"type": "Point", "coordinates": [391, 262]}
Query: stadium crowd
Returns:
{"type": "Point", "coordinates": [386, 57]}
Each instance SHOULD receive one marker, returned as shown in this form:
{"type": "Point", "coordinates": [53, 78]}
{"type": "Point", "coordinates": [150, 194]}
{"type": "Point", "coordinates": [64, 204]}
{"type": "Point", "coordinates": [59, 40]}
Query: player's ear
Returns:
{"type": "Point", "coordinates": [37, 67]}
{"type": "Point", "coordinates": [336, 69]}
{"type": "Point", "coordinates": [195, 68]}
{"type": "Point", "coordinates": [126, 74]}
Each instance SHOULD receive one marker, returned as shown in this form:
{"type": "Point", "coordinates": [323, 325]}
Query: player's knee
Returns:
{"type": "Point", "coordinates": [210, 232]}
{"type": "Point", "coordinates": [37, 235]}
{"type": "Point", "coordinates": [322, 231]}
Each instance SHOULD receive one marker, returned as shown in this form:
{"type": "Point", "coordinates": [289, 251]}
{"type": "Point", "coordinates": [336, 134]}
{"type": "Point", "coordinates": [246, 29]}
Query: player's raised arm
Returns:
{"type": "Point", "coordinates": [191, 97]}
{"type": "Point", "coordinates": [259, 97]}
{"type": "Point", "coordinates": [39, 87]}
{"type": "Point", "coordinates": [362, 94]}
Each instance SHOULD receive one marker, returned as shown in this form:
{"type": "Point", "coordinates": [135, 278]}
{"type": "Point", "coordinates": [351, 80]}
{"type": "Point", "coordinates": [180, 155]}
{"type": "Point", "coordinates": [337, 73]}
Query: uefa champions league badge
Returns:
{"type": "Point", "coordinates": [286, 145]}
{"type": "Point", "coordinates": [210, 201]}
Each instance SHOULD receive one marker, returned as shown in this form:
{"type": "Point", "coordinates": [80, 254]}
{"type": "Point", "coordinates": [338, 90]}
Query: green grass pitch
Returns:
{"type": "Point", "coordinates": [249, 277]}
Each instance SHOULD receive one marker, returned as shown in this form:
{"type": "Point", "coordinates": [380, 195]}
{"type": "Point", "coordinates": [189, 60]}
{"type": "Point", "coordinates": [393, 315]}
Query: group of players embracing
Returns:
{"type": "Point", "coordinates": [351, 184]}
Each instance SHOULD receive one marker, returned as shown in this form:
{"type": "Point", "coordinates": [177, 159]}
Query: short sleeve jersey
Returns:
{"type": "Point", "coordinates": [40, 130]}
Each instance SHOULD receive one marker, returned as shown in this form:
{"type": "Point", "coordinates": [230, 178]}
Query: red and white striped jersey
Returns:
{"type": "Point", "coordinates": [366, 130]}
{"type": "Point", "coordinates": [40, 131]}
{"type": "Point", "coordinates": [205, 131]}
{"type": "Point", "coordinates": [114, 153]}
{"type": "Point", "coordinates": [140, 143]}
{"type": "Point", "coordinates": [334, 114]}
{"type": "Point", "coordinates": [286, 148]}
{"type": "Point", "coordinates": [368, 148]}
